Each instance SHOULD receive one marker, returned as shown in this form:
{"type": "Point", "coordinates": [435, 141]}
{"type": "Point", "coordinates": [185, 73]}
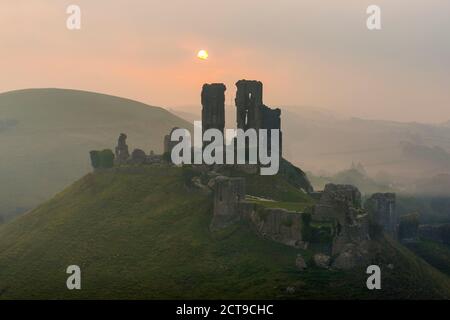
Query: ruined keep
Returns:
{"type": "Point", "coordinates": [251, 113]}
{"type": "Point", "coordinates": [122, 153]}
{"type": "Point", "coordinates": [249, 99]}
{"type": "Point", "coordinates": [213, 107]}
{"type": "Point", "coordinates": [381, 208]}
{"type": "Point", "coordinates": [345, 193]}
{"type": "Point", "coordinates": [341, 204]}
{"type": "Point", "coordinates": [250, 109]}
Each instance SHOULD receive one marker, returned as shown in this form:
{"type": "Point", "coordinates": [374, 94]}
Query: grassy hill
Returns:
{"type": "Point", "coordinates": [436, 254]}
{"type": "Point", "coordinates": [46, 134]}
{"type": "Point", "coordinates": [139, 232]}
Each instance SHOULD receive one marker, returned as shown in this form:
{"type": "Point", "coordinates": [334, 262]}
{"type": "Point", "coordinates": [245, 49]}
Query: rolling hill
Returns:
{"type": "Point", "coordinates": [141, 233]}
{"type": "Point", "coordinates": [436, 254]}
{"type": "Point", "coordinates": [46, 134]}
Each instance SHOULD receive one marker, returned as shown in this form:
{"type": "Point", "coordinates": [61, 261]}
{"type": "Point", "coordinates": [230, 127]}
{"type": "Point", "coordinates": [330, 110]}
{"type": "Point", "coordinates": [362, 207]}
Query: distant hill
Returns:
{"type": "Point", "coordinates": [351, 176]}
{"type": "Point", "coordinates": [46, 134]}
{"type": "Point", "coordinates": [438, 185]}
{"type": "Point", "coordinates": [404, 151]}
{"type": "Point", "coordinates": [140, 233]}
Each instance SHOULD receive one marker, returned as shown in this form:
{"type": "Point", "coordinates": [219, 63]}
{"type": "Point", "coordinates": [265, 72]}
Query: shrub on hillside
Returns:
{"type": "Point", "coordinates": [106, 158]}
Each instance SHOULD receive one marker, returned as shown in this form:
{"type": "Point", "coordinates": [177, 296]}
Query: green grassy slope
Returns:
{"type": "Point", "coordinates": [410, 276]}
{"type": "Point", "coordinates": [436, 254]}
{"type": "Point", "coordinates": [140, 233]}
{"type": "Point", "coordinates": [46, 134]}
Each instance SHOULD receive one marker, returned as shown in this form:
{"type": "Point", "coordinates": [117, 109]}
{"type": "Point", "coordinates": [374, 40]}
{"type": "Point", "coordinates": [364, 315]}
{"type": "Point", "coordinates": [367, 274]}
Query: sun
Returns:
{"type": "Point", "coordinates": [203, 55]}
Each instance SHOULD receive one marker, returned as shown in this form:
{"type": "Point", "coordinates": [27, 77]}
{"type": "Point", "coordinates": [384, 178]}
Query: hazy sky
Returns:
{"type": "Point", "coordinates": [307, 52]}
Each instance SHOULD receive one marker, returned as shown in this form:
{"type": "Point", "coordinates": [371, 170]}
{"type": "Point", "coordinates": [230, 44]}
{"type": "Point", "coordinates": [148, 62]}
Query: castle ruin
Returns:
{"type": "Point", "coordinates": [336, 213]}
{"type": "Point", "coordinates": [251, 113]}
{"type": "Point", "coordinates": [122, 153]}
{"type": "Point", "coordinates": [381, 208]}
{"type": "Point", "coordinates": [228, 195]}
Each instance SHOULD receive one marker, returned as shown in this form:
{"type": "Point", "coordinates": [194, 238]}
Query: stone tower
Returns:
{"type": "Point", "coordinates": [228, 194]}
{"type": "Point", "coordinates": [249, 99]}
{"type": "Point", "coordinates": [122, 153]}
{"type": "Point", "coordinates": [381, 208]}
{"type": "Point", "coordinates": [213, 106]}
{"type": "Point", "coordinates": [251, 113]}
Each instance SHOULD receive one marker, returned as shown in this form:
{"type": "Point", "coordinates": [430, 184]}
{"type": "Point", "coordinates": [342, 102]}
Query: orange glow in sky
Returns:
{"type": "Point", "coordinates": [150, 52]}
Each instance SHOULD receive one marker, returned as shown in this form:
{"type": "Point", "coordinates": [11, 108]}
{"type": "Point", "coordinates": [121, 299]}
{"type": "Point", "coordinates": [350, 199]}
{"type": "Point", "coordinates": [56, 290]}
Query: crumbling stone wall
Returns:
{"type": "Point", "coordinates": [228, 194]}
{"type": "Point", "coordinates": [337, 196]}
{"type": "Point", "coordinates": [251, 113]}
{"type": "Point", "coordinates": [381, 208]}
{"type": "Point", "coordinates": [137, 157]}
{"type": "Point", "coordinates": [271, 119]}
{"type": "Point", "coordinates": [249, 99]}
{"type": "Point", "coordinates": [342, 204]}
{"type": "Point", "coordinates": [154, 158]}
{"type": "Point", "coordinates": [250, 109]}
{"type": "Point", "coordinates": [279, 225]}
{"type": "Point", "coordinates": [230, 206]}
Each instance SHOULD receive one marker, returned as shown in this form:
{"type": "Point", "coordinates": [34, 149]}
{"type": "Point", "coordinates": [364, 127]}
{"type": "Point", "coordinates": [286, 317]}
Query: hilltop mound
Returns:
{"type": "Point", "coordinates": [140, 232]}
{"type": "Point", "coordinates": [45, 135]}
